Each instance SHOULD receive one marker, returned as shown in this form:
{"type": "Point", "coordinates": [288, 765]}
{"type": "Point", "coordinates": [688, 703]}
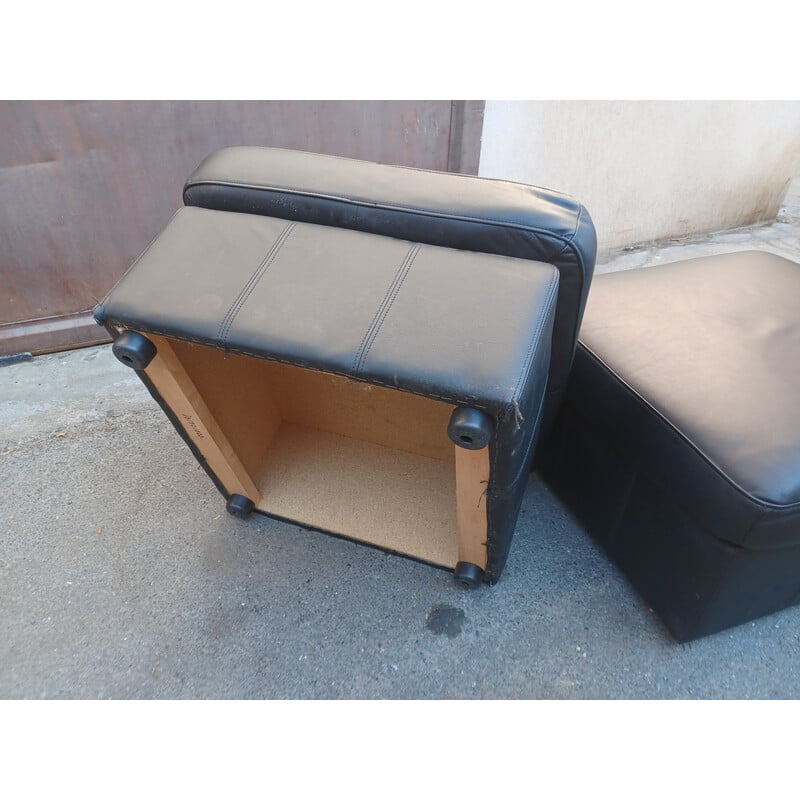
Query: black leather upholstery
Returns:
{"type": "Point", "coordinates": [709, 347]}
{"type": "Point", "coordinates": [679, 444]}
{"type": "Point", "coordinates": [459, 211]}
{"type": "Point", "coordinates": [466, 328]}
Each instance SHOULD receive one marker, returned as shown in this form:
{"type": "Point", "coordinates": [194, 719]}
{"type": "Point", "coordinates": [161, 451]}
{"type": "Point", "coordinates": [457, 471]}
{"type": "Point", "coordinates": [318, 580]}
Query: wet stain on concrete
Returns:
{"type": "Point", "coordinates": [446, 620]}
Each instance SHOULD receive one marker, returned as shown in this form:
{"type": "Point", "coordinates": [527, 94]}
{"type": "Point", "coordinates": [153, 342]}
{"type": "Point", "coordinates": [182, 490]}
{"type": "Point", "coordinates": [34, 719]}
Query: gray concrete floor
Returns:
{"type": "Point", "coordinates": [121, 575]}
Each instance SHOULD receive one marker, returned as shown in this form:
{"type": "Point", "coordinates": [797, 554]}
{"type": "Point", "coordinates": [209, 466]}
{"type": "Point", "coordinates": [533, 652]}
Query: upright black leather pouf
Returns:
{"type": "Point", "coordinates": [679, 441]}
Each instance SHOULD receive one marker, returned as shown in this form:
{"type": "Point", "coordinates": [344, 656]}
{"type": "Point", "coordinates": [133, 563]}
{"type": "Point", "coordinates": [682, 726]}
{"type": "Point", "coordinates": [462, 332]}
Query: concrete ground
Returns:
{"type": "Point", "coordinates": [122, 576]}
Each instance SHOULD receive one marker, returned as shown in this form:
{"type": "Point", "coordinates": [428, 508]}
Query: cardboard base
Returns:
{"type": "Point", "coordinates": [393, 499]}
{"type": "Point", "coordinates": [362, 461]}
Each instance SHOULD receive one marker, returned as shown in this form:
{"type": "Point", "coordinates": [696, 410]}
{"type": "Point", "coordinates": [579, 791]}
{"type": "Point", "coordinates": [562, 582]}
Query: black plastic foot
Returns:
{"type": "Point", "coordinates": [468, 575]}
{"type": "Point", "coordinates": [240, 506]}
{"type": "Point", "coordinates": [134, 350]}
{"type": "Point", "coordinates": [470, 428]}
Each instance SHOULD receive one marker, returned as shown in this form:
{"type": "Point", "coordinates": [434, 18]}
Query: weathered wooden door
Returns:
{"type": "Point", "coordinates": [85, 185]}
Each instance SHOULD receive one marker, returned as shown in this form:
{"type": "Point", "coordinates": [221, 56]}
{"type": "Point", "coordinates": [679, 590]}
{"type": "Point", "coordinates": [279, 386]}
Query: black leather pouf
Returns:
{"type": "Point", "coordinates": [361, 348]}
{"type": "Point", "coordinates": [380, 389]}
{"type": "Point", "coordinates": [678, 445]}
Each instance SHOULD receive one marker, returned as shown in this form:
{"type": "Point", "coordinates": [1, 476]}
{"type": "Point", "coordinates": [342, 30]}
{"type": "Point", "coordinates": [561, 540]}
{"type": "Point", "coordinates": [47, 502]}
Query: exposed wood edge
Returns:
{"type": "Point", "coordinates": [50, 334]}
{"type": "Point", "coordinates": [466, 132]}
{"type": "Point", "coordinates": [179, 392]}
{"type": "Point", "coordinates": [472, 478]}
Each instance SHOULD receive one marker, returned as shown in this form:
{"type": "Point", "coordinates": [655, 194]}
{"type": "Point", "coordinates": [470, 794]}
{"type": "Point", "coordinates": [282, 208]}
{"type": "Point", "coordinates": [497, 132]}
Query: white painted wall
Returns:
{"type": "Point", "coordinates": [650, 170]}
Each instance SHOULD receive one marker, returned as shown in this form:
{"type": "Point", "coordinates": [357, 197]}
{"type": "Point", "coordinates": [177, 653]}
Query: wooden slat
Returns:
{"type": "Point", "coordinates": [181, 395]}
{"type": "Point", "coordinates": [239, 395]}
{"type": "Point", "coordinates": [472, 479]}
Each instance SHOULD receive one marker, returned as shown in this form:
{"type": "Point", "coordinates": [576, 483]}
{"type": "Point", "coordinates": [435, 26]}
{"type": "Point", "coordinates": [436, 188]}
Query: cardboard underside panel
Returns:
{"type": "Point", "coordinates": [397, 500]}
{"type": "Point", "coordinates": [367, 462]}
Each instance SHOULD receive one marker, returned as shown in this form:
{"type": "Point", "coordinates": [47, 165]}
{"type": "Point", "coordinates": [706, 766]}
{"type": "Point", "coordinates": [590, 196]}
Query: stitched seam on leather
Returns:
{"type": "Point", "coordinates": [581, 300]}
{"type": "Point", "coordinates": [537, 335]}
{"type": "Point", "coordinates": [569, 240]}
{"type": "Point", "coordinates": [182, 337]}
{"type": "Point", "coordinates": [247, 289]}
{"type": "Point", "coordinates": [409, 209]}
{"type": "Point", "coordinates": [380, 315]}
{"type": "Point", "coordinates": [395, 293]}
{"type": "Point", "coordinates": [766, 504]}
{"type": "Point", "coordinates": [190, 182]}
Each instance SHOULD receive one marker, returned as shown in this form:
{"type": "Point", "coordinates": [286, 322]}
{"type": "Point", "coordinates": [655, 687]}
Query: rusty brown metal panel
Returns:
{"type": "Point", "coordinates": [85, 185]}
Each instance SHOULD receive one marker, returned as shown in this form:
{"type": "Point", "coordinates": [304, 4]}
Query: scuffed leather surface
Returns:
{"type": "Point", "coordinates": [691, 370]}
{"type": "Point", "coordinates": [445, 209]}
{"type": "Point", "coordinates": [461, 327]}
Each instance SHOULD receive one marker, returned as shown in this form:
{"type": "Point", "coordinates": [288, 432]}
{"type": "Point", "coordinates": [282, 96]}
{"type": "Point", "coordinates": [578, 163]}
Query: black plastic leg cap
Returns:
{"type": "Point", "coordinates": [470, 428]}
{"type": "Point", "coordinates": [134, 350]}
{"type": "Point", "coordinates": [468, 575]}
{"type": "Point", "coordinates": [240, 506]}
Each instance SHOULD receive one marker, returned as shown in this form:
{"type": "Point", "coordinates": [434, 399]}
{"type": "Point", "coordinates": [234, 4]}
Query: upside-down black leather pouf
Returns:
{"type": "Point", "coordinates": [360, 348]}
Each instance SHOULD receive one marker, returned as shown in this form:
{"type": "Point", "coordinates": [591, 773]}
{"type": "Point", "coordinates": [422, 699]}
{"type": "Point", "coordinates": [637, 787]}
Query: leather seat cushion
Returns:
{"type": "Point", "coordinates": [691, 370]}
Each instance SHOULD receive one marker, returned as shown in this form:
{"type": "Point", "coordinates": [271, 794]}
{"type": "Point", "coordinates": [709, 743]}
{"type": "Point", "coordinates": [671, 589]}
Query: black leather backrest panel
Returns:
{"type": "Point", "coordinates": [445, 209]}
